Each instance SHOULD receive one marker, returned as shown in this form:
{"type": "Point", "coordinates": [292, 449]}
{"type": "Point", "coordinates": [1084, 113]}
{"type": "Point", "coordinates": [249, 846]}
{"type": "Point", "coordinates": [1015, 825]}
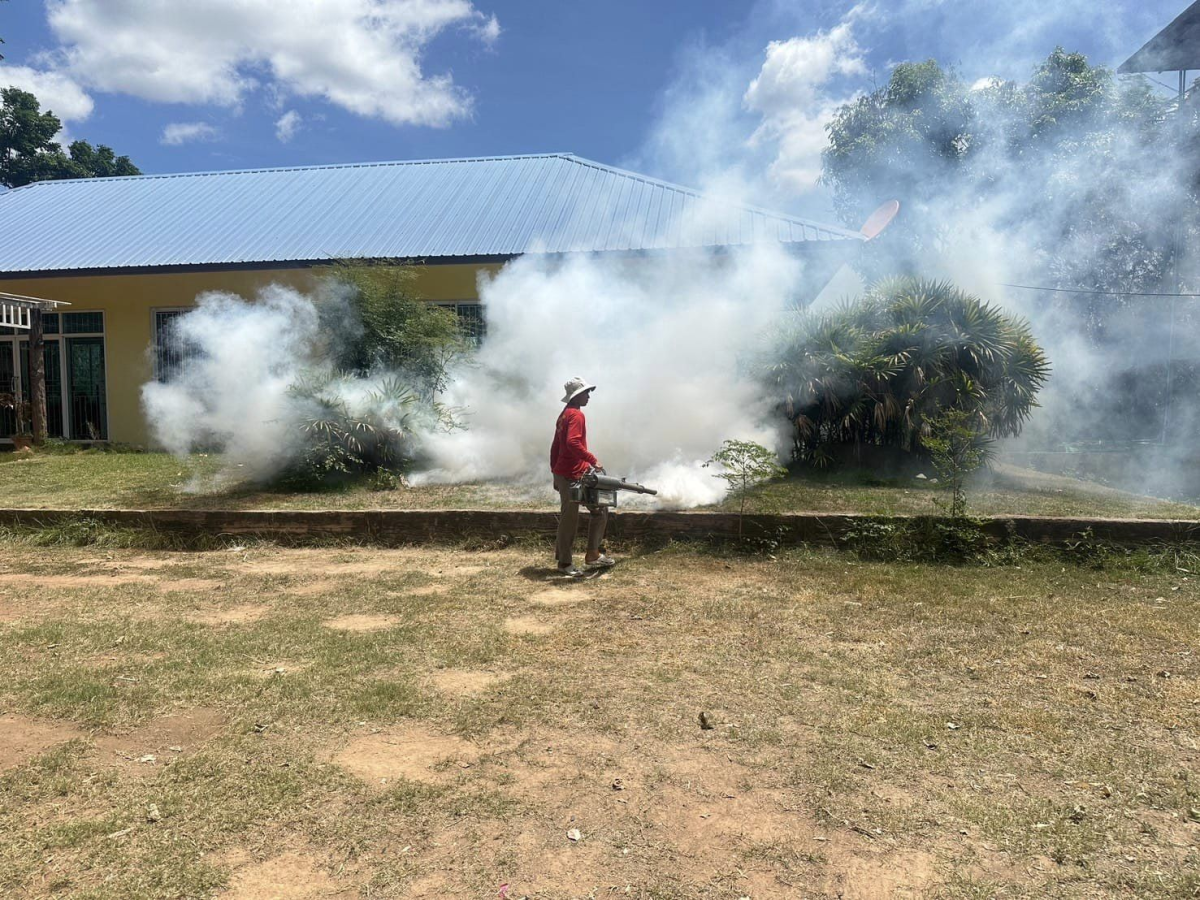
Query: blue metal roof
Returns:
{"type": "Point", "coordinates": [483, 207]}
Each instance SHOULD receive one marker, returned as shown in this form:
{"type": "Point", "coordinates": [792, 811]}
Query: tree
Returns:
{"type": "Point", "coordinates": [396, 331]}
{"type": "Point", "coordinates": [873, 373]}
{"type": "Point", "coordinates": [901, 141]}
{"type": "Point", "coordinates": [743, 464]}
{"type": "Point", "coordinates": [957, 447]}
{"type": "Point", "coordinates": [1068, 166]}
{"type": "Point", "coordinates": [29, 153]}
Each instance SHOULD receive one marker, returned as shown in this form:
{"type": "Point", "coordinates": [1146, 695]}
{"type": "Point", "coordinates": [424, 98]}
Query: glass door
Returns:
{"type": "Point", "coordinates": [54, 393]}
{"type": "Point", "coordinates": [87, 407]}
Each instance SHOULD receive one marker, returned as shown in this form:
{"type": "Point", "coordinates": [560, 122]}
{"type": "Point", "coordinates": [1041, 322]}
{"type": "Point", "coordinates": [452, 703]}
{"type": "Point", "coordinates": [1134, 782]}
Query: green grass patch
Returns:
{"type": "Point", "coordinates": [95, 479]}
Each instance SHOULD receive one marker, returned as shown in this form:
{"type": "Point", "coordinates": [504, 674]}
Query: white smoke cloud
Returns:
{"type": "Point", "coordinates": [233, 391]}
{"type": "Point", "coordinates": [362, 55]}
{"type": "Point", "coordinates": [738, 114]}
{"type": "Point", "coordinates": [664, 338]}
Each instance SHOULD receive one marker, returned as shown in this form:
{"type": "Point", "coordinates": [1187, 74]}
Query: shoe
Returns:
{"type": "Point", "coordinates": [570, 571]}
{"type": "Point", "coordinates": [600, 562]}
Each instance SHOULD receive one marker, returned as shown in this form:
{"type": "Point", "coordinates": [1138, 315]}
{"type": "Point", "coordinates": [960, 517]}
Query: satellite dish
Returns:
{"type": "Point", "coordinates": [880, 219]}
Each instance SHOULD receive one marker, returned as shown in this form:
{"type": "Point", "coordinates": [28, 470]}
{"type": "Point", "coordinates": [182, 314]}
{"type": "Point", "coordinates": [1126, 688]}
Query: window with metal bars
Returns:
{"type": "Point", "coordinates": [171, 351]}
{"type": "Point", "coordinates": [471, 322]}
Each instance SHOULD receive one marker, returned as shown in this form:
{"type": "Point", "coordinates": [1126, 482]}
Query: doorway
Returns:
{"type": "Point", "coordinates": [76, 382]}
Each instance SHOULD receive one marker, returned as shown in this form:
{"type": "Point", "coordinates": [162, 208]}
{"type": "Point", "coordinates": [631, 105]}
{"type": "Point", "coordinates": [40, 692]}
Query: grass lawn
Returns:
{"type": "Point", "coordinates": [100, 480]}
{"type": "Point", "coordinates": [354, 722]}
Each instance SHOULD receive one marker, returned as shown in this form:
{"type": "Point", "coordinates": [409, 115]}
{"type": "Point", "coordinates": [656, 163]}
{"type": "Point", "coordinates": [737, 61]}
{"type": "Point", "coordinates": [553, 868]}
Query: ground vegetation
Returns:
{"type": "Point", "coordinates": [67, 476]}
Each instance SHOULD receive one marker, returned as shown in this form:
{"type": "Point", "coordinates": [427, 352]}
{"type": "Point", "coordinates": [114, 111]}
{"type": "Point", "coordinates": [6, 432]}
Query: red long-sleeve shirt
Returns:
{"type": "Point", "coordinates": [569, 454]}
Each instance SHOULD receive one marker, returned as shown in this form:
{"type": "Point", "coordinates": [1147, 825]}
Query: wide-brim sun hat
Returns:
{"type": "Point", "coordinates": [575, 387]}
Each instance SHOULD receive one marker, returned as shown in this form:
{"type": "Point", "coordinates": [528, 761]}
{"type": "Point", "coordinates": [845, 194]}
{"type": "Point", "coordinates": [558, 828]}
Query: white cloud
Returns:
{"type": "Point", "coordinates": [488, 30]}
{"type": "Point", "coordinates": [287, 125]}
{"type": "Point", "coordinates": [56, 91]}
{"type": "Point", "coordinates": [362, 55]}
{"type": "Point", "coordinates": [793, 94]}
{"type": "Point", "coordinates": [187, 133]}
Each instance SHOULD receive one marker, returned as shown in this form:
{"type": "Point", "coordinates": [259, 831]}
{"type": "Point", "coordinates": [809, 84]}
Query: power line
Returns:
{"type": "Point", "coordinates": [1032, 287]}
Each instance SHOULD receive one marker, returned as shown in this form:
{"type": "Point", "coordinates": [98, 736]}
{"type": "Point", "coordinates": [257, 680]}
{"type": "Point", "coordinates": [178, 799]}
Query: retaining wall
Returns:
{"type": "Point", "coordinates": [420, 526]}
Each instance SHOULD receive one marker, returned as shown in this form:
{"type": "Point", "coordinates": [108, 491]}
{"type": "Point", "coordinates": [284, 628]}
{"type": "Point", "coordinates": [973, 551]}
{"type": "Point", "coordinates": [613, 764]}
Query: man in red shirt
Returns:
{"type": "Point", "coordinates": [570, 460]}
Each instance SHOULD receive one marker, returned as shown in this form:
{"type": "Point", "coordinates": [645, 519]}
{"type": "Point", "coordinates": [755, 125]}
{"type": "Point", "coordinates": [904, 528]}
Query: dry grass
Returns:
{"type": "Point", "coordinates": [99, 480]}
{"type": "Point", "coordinates": [880, 730]}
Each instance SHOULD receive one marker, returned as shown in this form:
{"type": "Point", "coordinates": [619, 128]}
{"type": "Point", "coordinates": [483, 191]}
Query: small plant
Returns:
{"type": "Point", "coordinates": [743, 465]}
{"type": "Point", "coordinates": [956, 448]}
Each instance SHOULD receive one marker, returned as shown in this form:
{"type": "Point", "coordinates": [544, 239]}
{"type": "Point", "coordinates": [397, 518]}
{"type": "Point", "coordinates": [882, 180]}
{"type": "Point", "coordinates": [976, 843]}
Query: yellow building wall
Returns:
{"type": "Point", "coordinates": [128, 303]}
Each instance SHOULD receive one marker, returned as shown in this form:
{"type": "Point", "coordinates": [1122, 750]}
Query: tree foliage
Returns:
{"type": "Point", "coordinates": [29, 153]}
{"type": "Point", "coordinates": [1066, 162]}
{"type": "Point", "coordinates": [874, 372]}
{"type": "Point", "coordinates": [393, 330]}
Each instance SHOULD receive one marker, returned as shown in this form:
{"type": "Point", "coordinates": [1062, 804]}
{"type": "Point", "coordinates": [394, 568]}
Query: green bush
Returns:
{"type": "Point", "coordinates": [957, 447]}
{"type": "Point", "coordinates": [389, 355]}
{"type": "Point", "coordinates": [875, 372]}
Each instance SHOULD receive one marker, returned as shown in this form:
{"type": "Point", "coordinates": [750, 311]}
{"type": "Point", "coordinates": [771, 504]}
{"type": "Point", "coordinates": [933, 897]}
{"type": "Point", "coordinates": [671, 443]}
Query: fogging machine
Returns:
{"type": "Point", "coordinates": [598, 489]}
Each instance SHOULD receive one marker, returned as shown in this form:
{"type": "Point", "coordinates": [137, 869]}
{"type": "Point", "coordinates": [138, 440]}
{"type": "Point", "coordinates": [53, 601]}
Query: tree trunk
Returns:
{"type": "Point", "coordinates": [37, 376]}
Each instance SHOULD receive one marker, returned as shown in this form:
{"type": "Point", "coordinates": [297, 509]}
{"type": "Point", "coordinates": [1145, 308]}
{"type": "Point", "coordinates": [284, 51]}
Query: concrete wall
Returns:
{"type": "Point", "coordinates": [128, 302]}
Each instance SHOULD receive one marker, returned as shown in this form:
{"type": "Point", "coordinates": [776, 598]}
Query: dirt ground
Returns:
{"type": "Point", "coordinates": [425, 723]}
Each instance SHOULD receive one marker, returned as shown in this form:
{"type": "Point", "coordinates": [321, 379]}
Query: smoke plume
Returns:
{"type": "Point", "coordinates": [666, 341]}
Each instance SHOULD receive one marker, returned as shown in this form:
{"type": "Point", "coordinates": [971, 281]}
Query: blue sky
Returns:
{"type": "Point", "coordinates": [683, 89]}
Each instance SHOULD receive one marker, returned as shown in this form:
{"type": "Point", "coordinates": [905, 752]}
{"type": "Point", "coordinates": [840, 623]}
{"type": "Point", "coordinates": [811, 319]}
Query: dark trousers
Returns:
{"type": "Point", "coordinates": [568, 522]}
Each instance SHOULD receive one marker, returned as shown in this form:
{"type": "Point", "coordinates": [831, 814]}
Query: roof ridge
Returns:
{"type": "Point", "coordinates": [260, 170]}
{"type": "Point", "coordinates": [701, 195]}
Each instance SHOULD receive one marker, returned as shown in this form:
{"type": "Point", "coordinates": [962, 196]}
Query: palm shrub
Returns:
{"type": "Point", "coordinates": [374, 383]}
{"type": "Point", "coordinates": [349, 426]}
{"type": "Point", "coordinates": [874, 372]}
